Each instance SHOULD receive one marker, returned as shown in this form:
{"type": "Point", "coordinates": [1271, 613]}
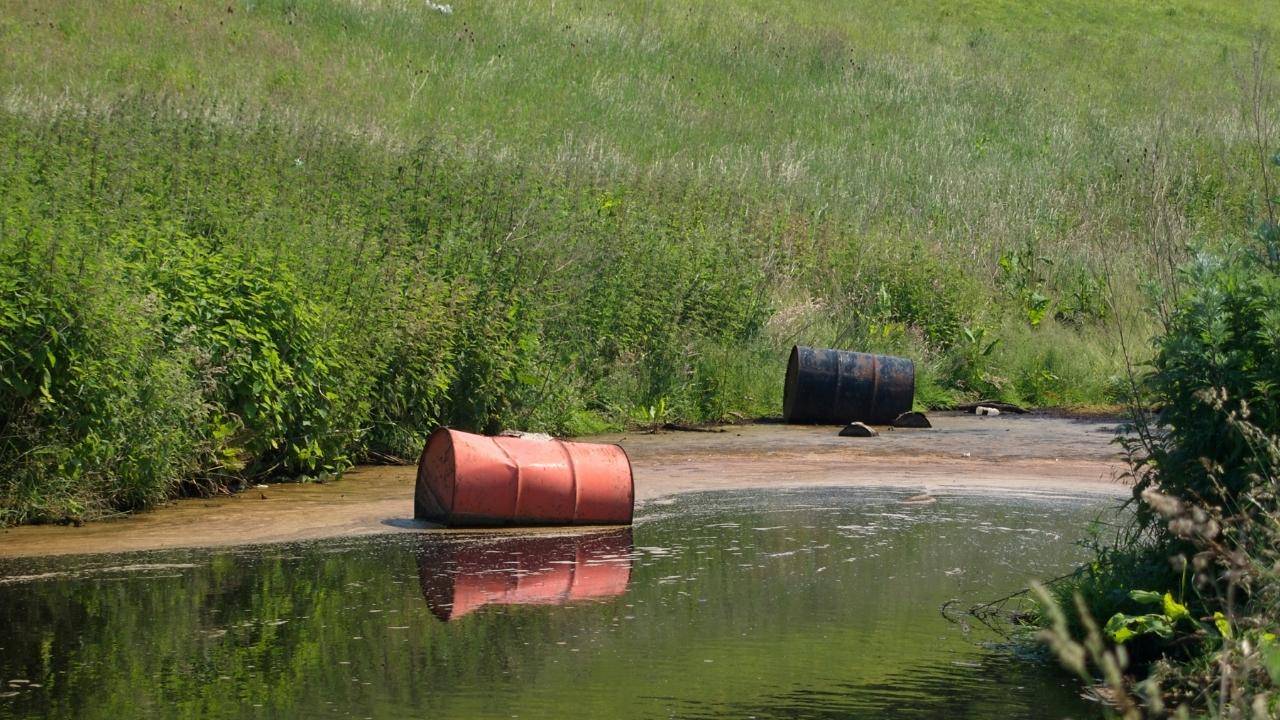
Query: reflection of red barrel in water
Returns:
{"type": "Point", "coordinates": [466, 479]}
{"type": "Point", "coordinates": [460, 577]}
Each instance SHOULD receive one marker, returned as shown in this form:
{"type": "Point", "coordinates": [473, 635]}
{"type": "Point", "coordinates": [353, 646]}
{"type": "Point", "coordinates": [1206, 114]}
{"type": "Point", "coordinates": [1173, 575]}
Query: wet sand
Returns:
{"type": "Point", "coordinates": [1036, 455]}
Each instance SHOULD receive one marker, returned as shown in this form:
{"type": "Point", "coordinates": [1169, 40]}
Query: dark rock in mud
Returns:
{"type": "Point", "coordinates": [912, 420]}
{"type": "Point", "coordinates": [680, 427]}
{"type": "Point", "coordinates": [857, 429]}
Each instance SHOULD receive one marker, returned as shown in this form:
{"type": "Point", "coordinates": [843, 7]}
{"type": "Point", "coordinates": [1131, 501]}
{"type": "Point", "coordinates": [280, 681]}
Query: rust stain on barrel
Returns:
{"type": "Point", "coordinates": [467, 479]}
{"type": "Point", "coordinates": [841, 386]}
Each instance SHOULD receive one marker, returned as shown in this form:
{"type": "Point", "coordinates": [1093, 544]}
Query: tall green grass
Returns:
{"type": "Point", "coordinates": [269, 239]}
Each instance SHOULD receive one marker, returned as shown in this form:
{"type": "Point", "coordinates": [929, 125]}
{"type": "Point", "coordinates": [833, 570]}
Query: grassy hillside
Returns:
{"type": "Point", "coordinates": [263, 239]}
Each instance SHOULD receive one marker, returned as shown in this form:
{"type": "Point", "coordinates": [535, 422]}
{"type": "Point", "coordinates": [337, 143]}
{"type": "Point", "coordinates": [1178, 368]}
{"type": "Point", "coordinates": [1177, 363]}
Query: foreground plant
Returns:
{"type": "Point", "coordinates": [1207, 476]}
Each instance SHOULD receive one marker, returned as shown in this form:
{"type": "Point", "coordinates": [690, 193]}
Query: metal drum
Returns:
{"type": "Point", "coordinates": [840, 386]}
{"type": "Point", "coordinates": [466, 479]}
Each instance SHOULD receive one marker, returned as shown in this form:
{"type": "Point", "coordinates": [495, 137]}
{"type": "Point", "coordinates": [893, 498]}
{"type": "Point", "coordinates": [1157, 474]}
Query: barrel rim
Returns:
{"type": "Point", "coordinates": [790, 384]}
{"type": "Point", "coordinates": [447, 433]}
{"type": "Point", "coordinates": [631, 477]}
{"type": "Point", "coordinates": [911, 403]}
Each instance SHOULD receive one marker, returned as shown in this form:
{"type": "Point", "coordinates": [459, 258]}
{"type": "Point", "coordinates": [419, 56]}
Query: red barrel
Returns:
{"type": "Point", "coordinates": [466, 479]}
{"type": "Point", "coordinates": [458, 577]}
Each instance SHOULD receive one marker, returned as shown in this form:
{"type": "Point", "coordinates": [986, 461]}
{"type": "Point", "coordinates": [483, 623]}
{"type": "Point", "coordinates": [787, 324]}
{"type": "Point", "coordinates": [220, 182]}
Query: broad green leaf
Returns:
{"type": "Point", "coordinates": [1115, 624]}
{"type": "Point", "coordinates": [1271, 661]}
{"type": "Point", "coordinates": [1122, 628]}
{"type": "Point", "coordinates": [1176, 611]}
{"type": "Point", "coordinates": [1224, 627]}
{"type": "Point", "coordinates": [1146, 597]}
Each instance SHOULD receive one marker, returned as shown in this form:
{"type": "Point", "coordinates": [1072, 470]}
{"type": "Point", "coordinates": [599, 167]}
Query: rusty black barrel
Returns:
{"type": "Point", "coordinates": [839, 386]}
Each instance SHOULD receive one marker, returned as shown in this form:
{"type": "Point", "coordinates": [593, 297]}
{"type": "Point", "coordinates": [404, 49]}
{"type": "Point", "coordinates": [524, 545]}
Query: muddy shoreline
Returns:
{"type": "Point", "coordinates": [1031, 455]}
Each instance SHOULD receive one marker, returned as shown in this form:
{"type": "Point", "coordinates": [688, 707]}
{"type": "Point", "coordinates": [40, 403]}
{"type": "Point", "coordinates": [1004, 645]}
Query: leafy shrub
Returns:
{"type": "Point", "coordinates": [96, 413]}
{"type": "Point", "coordinates": [913, 288]}
{"type": "Point", "coordinates": [1217, 362]}
{"type": "Point", "coordinates": [971, 363]}
{"type": "Point", "coordinates": [418, 368]}
{"type": "Point", "coordinates": [270, 376]}
{"type": "Point", "coordinates": [1024, 273]}
{"type": "Point", "coordinates": [1207, 511]}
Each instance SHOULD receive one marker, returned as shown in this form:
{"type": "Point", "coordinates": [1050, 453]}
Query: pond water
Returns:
{"type": "Point", "coordinates": [820, 603]}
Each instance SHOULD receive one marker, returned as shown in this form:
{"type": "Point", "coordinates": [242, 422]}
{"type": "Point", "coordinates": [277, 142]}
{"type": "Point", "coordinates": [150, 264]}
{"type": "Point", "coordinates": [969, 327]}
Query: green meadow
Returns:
{"type": "Point", "coordinates": [253, 240]}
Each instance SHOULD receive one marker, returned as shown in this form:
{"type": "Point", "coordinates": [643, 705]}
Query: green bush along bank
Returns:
{"type": "Point", "coordinates": [189, 306]}
{"type": "Point", "coordinates": [1188, 596]}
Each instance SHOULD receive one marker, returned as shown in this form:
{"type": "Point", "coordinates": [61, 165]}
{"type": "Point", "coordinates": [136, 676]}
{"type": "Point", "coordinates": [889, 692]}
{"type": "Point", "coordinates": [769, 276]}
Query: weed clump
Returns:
{"type": "Point", "coordinates": [1191, 590]}
{"type": "Point", "coordinates": [98, 412]}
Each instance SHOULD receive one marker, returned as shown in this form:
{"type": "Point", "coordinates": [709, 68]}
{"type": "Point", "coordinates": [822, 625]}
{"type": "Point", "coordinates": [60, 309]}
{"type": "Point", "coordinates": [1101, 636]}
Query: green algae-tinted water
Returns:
{"type": "Point", "coordinates": [799, 604]}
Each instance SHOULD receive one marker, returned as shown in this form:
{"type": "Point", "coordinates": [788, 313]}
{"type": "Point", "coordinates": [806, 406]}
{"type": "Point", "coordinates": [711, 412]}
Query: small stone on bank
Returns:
{"type": "Point", "coordinates": [857, 429]}
{"type": "Point", "coordinates": [984, 410]}
{"type": "Point", "coordinates": [912, 420]}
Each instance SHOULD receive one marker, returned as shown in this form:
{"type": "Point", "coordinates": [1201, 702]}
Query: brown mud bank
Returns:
{"type": "Point", "coordinates": [1005, 454]}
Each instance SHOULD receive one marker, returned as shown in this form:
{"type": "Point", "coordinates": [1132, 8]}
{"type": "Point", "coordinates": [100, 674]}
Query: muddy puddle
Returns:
{"type": "Point", "coordinates": [766, 603]}
{"type": "Point", "coordinates": [1000, 455]}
